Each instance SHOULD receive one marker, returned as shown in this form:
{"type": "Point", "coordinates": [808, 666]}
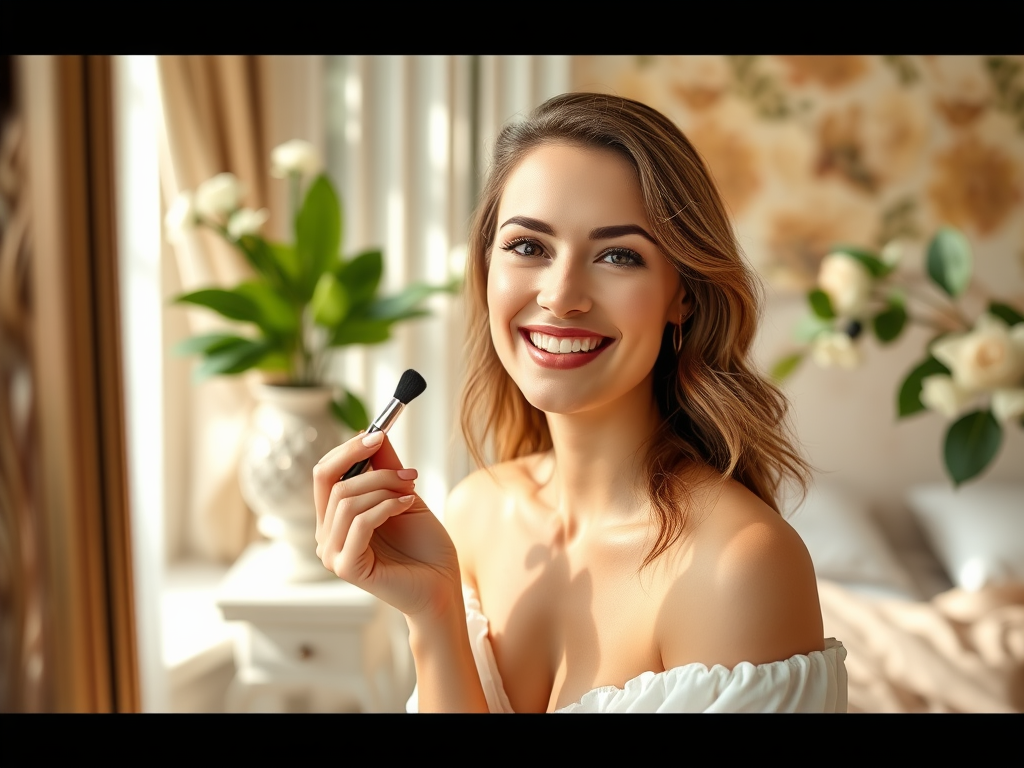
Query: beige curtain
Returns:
{"type": "Point", "coordinates": [213, 123]}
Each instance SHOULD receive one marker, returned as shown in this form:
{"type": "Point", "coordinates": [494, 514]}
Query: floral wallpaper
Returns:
{"type": "Point", "coordinates": [810, 151]}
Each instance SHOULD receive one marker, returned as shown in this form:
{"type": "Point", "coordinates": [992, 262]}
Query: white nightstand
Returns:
{"type": "Point", "coordinates": [320, 646]}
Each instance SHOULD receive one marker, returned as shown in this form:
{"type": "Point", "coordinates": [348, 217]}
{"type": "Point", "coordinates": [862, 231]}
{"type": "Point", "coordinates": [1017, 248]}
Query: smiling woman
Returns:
{"type": "Point", "coordinates": [639, 453]}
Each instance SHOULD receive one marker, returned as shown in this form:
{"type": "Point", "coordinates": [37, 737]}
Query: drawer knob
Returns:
{"type": "Point", "coordinates": [306, 651]}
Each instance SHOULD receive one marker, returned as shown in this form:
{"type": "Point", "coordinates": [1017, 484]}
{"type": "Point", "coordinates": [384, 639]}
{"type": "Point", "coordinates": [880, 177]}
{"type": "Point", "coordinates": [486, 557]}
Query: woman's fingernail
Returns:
{"type": "Point", "coordinates": [374, 438]}
{"type": "Point", "coordinates": [408, 474]}
{"type": "Point", "coordinates": [407, 499]}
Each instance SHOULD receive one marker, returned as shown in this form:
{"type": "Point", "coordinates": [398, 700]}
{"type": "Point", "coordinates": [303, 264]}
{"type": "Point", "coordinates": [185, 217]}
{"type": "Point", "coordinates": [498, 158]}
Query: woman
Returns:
{"type": "Point", "coordinates": [626, 551]}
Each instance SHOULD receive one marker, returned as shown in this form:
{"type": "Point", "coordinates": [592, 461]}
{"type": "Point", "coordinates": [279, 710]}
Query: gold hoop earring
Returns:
{"type": "Point", "coordinates": [677, 335]}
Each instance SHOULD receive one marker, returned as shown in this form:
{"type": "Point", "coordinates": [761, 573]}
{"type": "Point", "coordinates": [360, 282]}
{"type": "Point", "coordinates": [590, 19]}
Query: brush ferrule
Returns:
{"type": "Point", "coordinates": [387, 417]}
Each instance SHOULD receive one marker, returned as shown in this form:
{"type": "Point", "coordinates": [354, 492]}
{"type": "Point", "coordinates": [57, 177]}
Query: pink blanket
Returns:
{"type": "Point", "coordinates": [958, 652]}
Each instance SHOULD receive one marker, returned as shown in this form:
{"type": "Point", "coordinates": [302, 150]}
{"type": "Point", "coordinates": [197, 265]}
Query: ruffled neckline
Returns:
{"type": "Point", "coordinates": [698, 673]}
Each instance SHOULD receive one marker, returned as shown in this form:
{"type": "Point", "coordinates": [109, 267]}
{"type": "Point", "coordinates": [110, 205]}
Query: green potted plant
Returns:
{"type": "Point", "coordinates": [304, 302]}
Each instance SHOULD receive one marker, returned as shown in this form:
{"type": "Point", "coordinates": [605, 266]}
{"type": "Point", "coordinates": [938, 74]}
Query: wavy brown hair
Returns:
{"type": "Point", "coordinates": [717, 409]}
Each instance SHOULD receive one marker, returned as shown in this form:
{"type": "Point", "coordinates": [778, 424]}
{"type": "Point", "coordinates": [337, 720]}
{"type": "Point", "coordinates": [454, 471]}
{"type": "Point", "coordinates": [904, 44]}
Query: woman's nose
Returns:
{"type": "Point", "coordinates": [564, 291]}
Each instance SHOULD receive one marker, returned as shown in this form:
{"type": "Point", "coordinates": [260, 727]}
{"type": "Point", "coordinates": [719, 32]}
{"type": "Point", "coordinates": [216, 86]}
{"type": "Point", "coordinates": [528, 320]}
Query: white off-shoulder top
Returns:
{"type": "Point", "coordinates": [810, 683]}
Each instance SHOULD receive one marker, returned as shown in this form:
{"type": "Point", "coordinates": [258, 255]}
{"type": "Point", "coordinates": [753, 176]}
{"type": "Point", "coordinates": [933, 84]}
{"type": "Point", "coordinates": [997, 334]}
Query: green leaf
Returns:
{"type": "Point", "coordinates": [274, 261]}
{"type": "Point", "coordinates": [784, 367]}
{"type": "Point", "coordinates": [871, 261]}
{"type": "Point", "coordinates": [821, 304]}
{"type": "Point", "coordinates": [909, 399]}
{"type": "Point", "coordinates": [949, 261]}
{"type": "Point", "coordinates": [228, 303]}
{"type": "Point", "coordinates": [330, 303]}
{"type": "Point", "coordinates": [287, 261]}
{"type": "Point", "coordinates": [207, 343]}
{"type": "Point", "coordinates": [351, 412]}
{"type": "Point", "coordinates": [361, 276]}
{"type": "Point", "coordinates": [400, 306]}
{"type": "Point", "coordinates": [234, 359]}
{"type": "Point", "coordinates": [889, 323]}
{"type": "Point", "coordinates": [1006, 312]}
{"type": "Point", "coordinates": [361, 331]}
{"type": "Point", "coordinates": [318, 232]}
{"type": "Point", "coordinates": [276, 361]}
{"type": "Point", "coordinates": [276, 317]}
{"type": "Point", "coordinates": [971, 444]}
{"type": "Point", "coordinates": [409, 314]}
{"type": "Point", "coordinates": [808, 327]}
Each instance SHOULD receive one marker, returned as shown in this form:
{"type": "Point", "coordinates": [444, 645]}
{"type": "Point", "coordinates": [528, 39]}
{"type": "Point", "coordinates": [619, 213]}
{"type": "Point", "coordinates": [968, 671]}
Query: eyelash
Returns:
{"type": "Point", "coordinates": [637, 259]}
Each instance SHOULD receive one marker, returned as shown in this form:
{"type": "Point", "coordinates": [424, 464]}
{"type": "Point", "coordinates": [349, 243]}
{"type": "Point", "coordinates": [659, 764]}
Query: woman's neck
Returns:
{"type": "Point", "coordinates": [596, 475]}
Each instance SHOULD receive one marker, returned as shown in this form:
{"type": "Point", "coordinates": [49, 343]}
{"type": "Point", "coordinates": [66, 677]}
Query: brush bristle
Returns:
{"type": "Point", "coordinates": [410, 386]}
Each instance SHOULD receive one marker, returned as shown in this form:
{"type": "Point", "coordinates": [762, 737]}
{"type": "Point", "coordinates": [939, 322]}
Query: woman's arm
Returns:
{"type": "Point", "coordinates": [446, 674]}
{"type": "Point", "coordinates": [376, 533]}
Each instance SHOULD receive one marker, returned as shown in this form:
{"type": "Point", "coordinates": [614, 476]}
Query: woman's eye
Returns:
{"type": "Point", "coordinates": [622, 257]}
{"type": "Point", "coordinates": [523, 247]}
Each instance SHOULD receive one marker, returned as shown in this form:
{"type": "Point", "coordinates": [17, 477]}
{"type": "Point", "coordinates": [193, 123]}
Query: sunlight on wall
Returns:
{"type": "Point", "coordinates": [139, 236]}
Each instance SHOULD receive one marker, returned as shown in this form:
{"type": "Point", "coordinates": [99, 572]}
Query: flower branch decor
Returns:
{"type": "Point", "coordinates": [972, 369]}
{"type": "Point", "coordinates": [305, 300]}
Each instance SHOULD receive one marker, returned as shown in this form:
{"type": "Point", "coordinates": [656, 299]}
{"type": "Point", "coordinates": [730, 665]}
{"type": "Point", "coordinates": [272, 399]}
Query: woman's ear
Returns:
{"type": "Point", "coordinates": [682, 305]}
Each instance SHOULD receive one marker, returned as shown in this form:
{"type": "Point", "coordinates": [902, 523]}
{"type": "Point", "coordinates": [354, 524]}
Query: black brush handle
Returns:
{"type": "Point", "coordinates": [360, 466]}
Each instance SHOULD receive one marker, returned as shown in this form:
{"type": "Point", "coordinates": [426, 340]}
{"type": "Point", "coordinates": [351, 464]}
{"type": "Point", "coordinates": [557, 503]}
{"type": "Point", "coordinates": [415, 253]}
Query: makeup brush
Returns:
{"type": "Point", "coordinates": [410, 386]}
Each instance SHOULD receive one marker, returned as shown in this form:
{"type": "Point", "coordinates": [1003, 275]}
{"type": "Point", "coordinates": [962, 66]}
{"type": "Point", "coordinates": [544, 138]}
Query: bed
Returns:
{"type": "Point", "coordinates": [929, 601]}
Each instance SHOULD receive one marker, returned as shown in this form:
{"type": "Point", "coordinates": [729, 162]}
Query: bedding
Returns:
{"type": "Point", "coordinates": [961, 651]}
{"type": "Point", "coordinates": [976, 531]}
{"type": "Point", "coordinates": [935, 627]}
{"type": "Point", "coordinates": [846, 544]}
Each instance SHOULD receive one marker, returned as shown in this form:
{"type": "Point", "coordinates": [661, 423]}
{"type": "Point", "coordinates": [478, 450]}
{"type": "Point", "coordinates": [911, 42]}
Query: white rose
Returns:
{"type": "Point", "coordinates": [219, 195]}
{"type": "Point", "coordinates": [989, 357]}
{"type": "Point", "coordinates": [847, 283]}
{"type": "Point", "coordinates": [295, 156]}
{"type": "Point", "coordinates": [1008, 404]}
{"type": "Point", "coordinates": [835, 349]}
{"type": "Point", "coordinates": [940, 393]}
{"type": "Point", "coordinates": [246, 221]}
{"type": "Point", "coordinates": [181, 217]}
{"type": "Point", "coordinates": [893, 251]}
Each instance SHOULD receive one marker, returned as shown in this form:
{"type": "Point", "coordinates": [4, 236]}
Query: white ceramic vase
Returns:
{"type": "Point", "coordinates": [290, 429]}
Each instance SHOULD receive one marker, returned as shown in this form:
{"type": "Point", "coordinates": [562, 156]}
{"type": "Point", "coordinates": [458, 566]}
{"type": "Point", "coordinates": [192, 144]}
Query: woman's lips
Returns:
{"type": "Point", "coordinates": [561, 361]}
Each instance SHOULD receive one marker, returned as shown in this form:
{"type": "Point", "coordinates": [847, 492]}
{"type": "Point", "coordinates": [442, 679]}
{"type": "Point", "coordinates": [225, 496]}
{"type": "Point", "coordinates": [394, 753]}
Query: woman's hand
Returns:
{"type": "Point", "coordinates": [373, 531]}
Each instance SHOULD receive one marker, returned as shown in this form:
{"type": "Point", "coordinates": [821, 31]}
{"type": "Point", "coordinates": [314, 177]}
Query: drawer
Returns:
{"type": "Point", "coordinates": [297, 650]}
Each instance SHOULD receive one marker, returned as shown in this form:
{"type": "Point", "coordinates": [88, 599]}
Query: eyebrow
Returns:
{"type": "Point", "coordinates": [601, 233]}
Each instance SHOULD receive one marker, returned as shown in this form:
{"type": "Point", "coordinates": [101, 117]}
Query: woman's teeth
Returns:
{"type": "Point", "coordinates": [561, 345]}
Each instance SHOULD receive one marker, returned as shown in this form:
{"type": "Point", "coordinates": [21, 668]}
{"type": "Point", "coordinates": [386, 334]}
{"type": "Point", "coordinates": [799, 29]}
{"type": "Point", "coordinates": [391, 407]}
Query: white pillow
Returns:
{"type": "Point", "coordinates": [846, 544]}
{"type": "Point", "coordinates": [977, 531]}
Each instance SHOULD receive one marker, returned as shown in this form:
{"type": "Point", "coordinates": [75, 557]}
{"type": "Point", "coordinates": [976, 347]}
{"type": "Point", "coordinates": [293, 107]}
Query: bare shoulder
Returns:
{"type": "Point", "coordinates": [750, 579]}
{"type": "Point", "coordinates": [476, 506]}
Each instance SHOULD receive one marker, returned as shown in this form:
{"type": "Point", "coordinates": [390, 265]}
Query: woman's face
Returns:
{"type": "Point", "coordinates": [578, 292]}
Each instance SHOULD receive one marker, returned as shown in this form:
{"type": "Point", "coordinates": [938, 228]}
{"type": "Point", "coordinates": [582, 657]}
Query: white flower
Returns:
{"type": "Point", "coordinates": [940, 393]}
{"type": "Point", "coordinates": [219, 195]}
{"type": "Point", "coordinates": [181, 217]}
{"type": "Point", "coordinates": [847, 283]}
{"type": "Point", "coordinates": [295, 156]}
{"type": "Point", "coordinates": [1008, 404]}
{"type": "Point", "coordinates": [835, 349]}
{"type": "Point", "coordinates": [989, 357]}
{"type": "Point", "coordinates": [246, 221]}
{"type": "Point", "coordinates": [893, 251]}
